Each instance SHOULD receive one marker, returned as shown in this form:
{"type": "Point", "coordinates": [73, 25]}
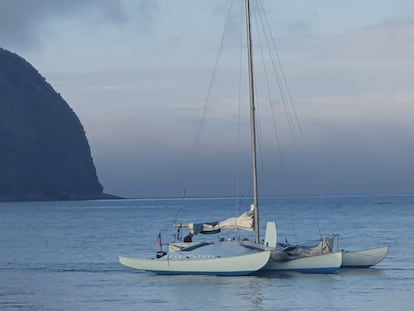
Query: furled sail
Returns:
{"type": "Point", "coordinates": [243, 222]}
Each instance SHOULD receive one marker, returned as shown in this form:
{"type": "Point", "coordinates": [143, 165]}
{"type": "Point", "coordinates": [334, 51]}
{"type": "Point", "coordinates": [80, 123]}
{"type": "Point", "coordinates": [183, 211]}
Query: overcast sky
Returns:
{"type": "Point", "coordinates": [137, 74]}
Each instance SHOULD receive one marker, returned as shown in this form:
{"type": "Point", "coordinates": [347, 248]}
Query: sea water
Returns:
{"type": "Point", "coordinates": [64, 255]}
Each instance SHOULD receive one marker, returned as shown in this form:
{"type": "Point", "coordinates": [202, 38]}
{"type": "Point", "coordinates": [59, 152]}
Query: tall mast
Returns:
{"type": "Point", "coordinates": [252, 122]}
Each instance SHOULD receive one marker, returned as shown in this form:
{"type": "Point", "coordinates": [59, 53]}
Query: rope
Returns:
{"type": "Point", "coordinates": [282, 72]}
{"type": "Point", "coordinates": [239, 112]}
{"type": "Point", "coordinates": [314, 182]}
{"type": "Point", "coordinates": [212, 79]}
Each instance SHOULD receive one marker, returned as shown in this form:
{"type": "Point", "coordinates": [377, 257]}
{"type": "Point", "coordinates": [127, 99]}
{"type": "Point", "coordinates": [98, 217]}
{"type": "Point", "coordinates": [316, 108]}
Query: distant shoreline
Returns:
{"type": "Point", "coordinates": [280, 196]}
{"type": "Point", "coordinates": [42, 197]}
{"type": "Point", "coordinates": [106, 196]}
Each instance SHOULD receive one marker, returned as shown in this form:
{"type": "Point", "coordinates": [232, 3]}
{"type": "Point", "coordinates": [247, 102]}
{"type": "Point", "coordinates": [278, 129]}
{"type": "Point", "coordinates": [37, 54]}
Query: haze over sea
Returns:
{"type": "Point", "coordinates": [64, 255]}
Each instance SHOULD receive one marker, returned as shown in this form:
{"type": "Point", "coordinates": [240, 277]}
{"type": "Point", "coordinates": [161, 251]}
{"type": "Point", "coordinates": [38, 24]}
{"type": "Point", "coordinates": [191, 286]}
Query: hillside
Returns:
{"type": "Point", "coordinates": [44, 152]}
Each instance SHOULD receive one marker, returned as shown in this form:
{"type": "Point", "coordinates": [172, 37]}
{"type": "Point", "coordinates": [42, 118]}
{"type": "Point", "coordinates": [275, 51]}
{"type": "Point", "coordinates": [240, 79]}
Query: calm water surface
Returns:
{"type": "Point", "coordinates": [63, 255]}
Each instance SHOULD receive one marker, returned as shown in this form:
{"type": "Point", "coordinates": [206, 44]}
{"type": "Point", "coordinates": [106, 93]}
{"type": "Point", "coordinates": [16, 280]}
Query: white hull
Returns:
{"type": "Point", "coordinates": [324, 263]}
{"type": "Point", "coordinates": [204, 261]}
{"type": "Point", "coordinates": [363, 258]}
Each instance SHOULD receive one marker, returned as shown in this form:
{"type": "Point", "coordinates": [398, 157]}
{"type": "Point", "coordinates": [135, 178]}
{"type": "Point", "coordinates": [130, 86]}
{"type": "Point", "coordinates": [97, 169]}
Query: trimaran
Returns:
{"type": "Point", "coordinates": [243, 257]}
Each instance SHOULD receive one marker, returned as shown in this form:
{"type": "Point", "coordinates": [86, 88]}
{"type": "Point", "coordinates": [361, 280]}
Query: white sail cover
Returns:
{"type": "Point", "coordinates": [243, 222]}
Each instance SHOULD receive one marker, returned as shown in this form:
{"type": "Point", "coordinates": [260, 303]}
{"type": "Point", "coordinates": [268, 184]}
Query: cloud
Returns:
{"type": "Point", "coordinates": [357, 140]}
{"type": "Point", "coordinates": [378, 118]}
{"type": "Point", "coordinates": [355, 143]}
{"type": "Point", "coordinates": [22, 21]}
{"type": "Point", "coordinates": [388, 41]}
{"type": "Point", "coordinates": [146, 10]}
{"type": "Point", "coordinates": [361, 143]}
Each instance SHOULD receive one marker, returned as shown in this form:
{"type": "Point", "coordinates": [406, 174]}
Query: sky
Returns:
{"type": "Point", "coordinates": [138, 75]}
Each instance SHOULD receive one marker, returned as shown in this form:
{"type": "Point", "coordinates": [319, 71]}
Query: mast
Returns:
{"type": "Point", "coordinates": [252, 122]}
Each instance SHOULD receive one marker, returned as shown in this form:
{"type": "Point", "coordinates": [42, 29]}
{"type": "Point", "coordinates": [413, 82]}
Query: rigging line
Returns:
{"type": "Point", "coordinates": [283, 75]}
{"type": "Point", "coordinates": [277, 74]}
{"type": "Point", "coordinates": [320, 232]}
{"type": "Point", "coordinates": [280, 85]}
{"type": "Point", "coordinates": [269, 93]}
{"type": "Point", "coordinates": [181, 208]}
{"type": "Point", "coordinates": [239, 109]}
{"type": "Point", "coordinates": [275, 126]}
{"type": "Point", "coordinates": [286, 84]}
{"type": "Point", "coordinates": [213, 78]}
{"type": "Point", "coordinates": [258, 115]}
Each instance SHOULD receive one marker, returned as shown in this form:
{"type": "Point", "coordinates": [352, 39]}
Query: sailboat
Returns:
{"type": "Point", "coordinates": [235, 257]}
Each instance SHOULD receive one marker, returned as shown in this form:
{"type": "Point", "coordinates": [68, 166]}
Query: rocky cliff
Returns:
{"type": "Point", "coordinates": [44, 152]}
